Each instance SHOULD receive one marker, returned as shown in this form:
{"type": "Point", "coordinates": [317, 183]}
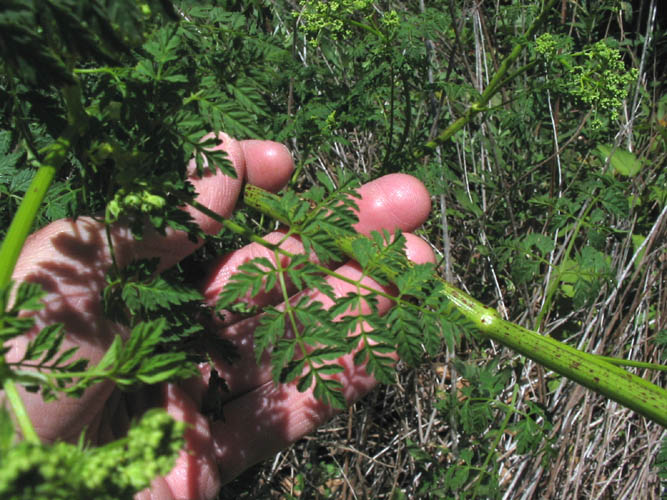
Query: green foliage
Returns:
{"type": "Point", "coordinates": [661, 461]}
{"type": "Point", "coordinates": [46, 367]}
{"type": "Point", "coordinates": [301, 335]}
{"type": "Point", "coordinates": [146, 109]}
{"type": "Point", "coordinates": [624, 162]}
{"type": "Point", "coordinates": [61, 470]}
{"type": "Point", "coordinates": [142, 291]}
{"type": "Point", "coordinates": [112, 471]}
{"type": "Point", "coordinates": [334, 17]}
{"type": "Point", "coordinates": [484, 421]}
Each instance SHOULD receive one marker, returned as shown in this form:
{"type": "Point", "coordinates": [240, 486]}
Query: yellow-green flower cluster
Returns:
{"type": "Point", "coordinates": [601, 79]}
{"type": "Point", "coordinates": [333, 17]}
{"type": "Point", "coordinates": [596, 76]}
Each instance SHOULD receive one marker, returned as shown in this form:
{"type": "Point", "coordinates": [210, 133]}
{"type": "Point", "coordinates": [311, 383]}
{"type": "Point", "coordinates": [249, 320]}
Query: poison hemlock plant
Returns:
{"type": "Point", "coordinates": [596, 76]}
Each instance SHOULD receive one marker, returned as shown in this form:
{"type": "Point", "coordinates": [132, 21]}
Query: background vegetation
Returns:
{"type": "Point", "coordinates": [529, 216]}
{"type": "Point", "coordinates": [549, 205]}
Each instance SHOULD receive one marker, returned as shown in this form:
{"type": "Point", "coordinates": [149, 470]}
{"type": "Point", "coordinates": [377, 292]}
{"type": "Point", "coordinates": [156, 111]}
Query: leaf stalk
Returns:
{"type": "Point", "coordinates": [20, 412]}
{"type": "Point", "coordinates": [589, 370]}
{"type": "Point", "coordinates": [54, 156]}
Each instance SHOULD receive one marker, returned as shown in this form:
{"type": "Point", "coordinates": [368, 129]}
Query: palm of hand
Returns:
{"type": "Point", "coordinates": [70, 259]}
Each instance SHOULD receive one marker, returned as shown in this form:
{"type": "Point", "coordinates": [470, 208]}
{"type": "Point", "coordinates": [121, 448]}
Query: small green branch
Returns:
{"type": "Point", "coordinates": [494, 446]}
{"type": "Point", "coordinates": [494, 85]}
{"type": "Point", "coordinates": [634, 364]}
{"type": "Point", "coordinates": [368, 28]}
{"type": "Point", "coordinates": [516, 73]}
{"type": "Point", "coordinates": [555, 279]}
{"type": "Point", "coordinates": [232, 226]}
{"type": "Point", "coordinates": [289, 311]}
{"type": "Point", "coordinates": [27, 429]}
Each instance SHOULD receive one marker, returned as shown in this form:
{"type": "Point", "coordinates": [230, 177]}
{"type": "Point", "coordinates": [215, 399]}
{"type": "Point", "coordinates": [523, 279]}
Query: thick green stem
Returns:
{"type": "Point", "coordinates": [50, 159]}
{"type": "Point", "coordinates": [53, 157]}
{"type": "Point", "coordinates": [27, 212]}
{"type": "Point", "coordinates": [587, 369]}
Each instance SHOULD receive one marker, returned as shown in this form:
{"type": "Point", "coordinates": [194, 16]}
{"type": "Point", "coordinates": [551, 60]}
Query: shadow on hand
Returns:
{"type": "Point", "coordinates": [69, 259]}
{"type": "Point", "coordinates": [262, 422]}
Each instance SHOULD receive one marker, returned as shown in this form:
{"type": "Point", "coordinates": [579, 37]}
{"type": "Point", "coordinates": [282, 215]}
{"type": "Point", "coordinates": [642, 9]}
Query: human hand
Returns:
{"type": "Point", "coordinates": [70, 259]}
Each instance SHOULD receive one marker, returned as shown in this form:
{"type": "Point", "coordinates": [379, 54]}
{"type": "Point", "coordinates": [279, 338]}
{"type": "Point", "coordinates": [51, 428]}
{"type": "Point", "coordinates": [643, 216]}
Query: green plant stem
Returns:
{"type": "Point", "coordinates": [494, 85]}
{"type": "Point", "coordinates": [499, 434]}
{"type": "Point", "coordinates": [24, 218]}
{"type": "Point", "coordinates": [586, 369]}
{"type": "Point", "coordinates": [53, 157]}
{"type": "Point", "coordinates": [635, 364]}
{"type": "Point", "coordinates": [290, 311]}
{"type": "Point", "coordinates": [50, 159]}
{"type": "Point", "coordinates": [554, 281]}
{"type": "Point", "coordinates": [12, 394]}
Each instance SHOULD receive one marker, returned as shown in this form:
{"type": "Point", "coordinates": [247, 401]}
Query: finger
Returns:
{"type": "Point", "coordinates": [159, 490]}
{"type": "Point", "coordinates": [195, 473]}
{"type": "Point", "coordinates": [395, 201]}
{"type": "Point", "coordinates": [69, 258]}
{"type": "Point", "coordinates": [265, 164]}
{"type": "Point", "coordinates": [269, 165]}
